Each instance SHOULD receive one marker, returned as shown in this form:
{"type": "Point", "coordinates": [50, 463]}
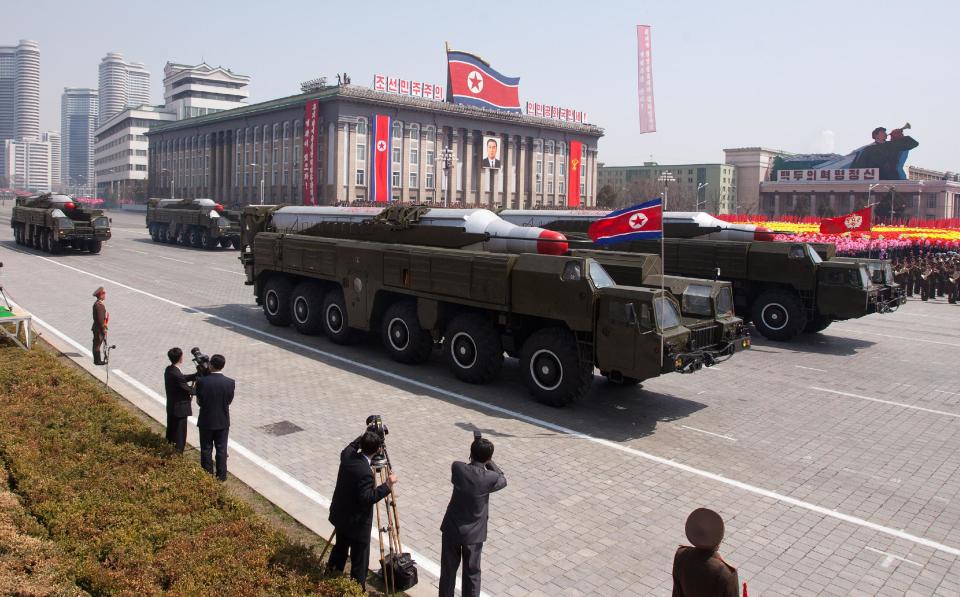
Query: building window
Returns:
{"type": "Point", "coordinates": [429, 179]}
{"type": "Point", "coordinates": [361, 177]}
{"type": "Point", "coordinates": [395, 155]}
{"type": "Point", "coordinates": [550, 168]}
{"type": "Point", "coordinates": [550, 187]}
{"type": "Point", "coordinates": [563, 168]}
{"type": "Point", "coordinates": [397, 130]}
{"type": "Point", "coordinates": [414, 156]}
{"type": "Point", "coordinates": [562, 186]}
{"type": "Point", "coordinates": [395, 178]}
{"type": "Point", "coordinates": [414, 180]}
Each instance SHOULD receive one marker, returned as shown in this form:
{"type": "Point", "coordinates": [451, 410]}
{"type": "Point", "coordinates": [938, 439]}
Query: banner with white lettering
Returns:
{"type": "Point", "coordinates": [648, 117]}
{"type": "Point", "coordinates": [311, 127]}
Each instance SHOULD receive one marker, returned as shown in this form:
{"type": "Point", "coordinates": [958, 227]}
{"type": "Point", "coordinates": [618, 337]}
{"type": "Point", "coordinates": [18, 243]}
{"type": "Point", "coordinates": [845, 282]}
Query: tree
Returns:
{"type": "Point", "coordinates": [607, 197]}
{"type": "Point", "coordinates": [882, 208]}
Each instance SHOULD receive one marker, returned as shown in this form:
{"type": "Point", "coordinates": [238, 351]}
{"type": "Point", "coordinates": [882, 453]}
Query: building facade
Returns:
{"type": "Point", "coordinates": [53, 138]}
{"type": "Point", "coordinates": [695, 187]}
{"type": "Point", "coordinates": [28, 164]}
{"type": "Point", "coordinates": [122, 85]}
{"type": "Point", "coordinates": [753, 166]}
{"type": "Point", "coordinates": [120, 154]}
{"type": "Point", "coordinates": [236, 155]}
{"type": "Point", "coordinates": [926, 199]}
{"type": "Point", "coordinates": [79, 114]}
{"type": "Point", "coordinates": [19, 94]}
{"type": "Point", "coordinates": [202, 89]}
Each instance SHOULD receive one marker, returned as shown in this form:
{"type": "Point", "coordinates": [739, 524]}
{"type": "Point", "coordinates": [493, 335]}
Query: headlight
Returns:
{"type": "Point", "coordinates": [101, 222]}
{"type": "Point", "coordinates": [64, 223]}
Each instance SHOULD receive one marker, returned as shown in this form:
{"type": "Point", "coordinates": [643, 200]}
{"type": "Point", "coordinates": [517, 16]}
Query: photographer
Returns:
{"type": "Point", "coordinates": [214, 395]}
{"type": "Point", "coordinates": [351, 509]}
{"type": "Point", "coordinates": [464, 525]}
{"type": "Point", "coordinates": [179, 394]}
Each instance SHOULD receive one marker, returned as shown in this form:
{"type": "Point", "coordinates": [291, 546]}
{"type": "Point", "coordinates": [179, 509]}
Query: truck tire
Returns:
{"type": "Point", "coordinates": [47, 239]}
{"type": "Point", "coordinates": [235, 242]}
{"type": "Point", "coordinates": [778, 315]}
{"type": "Point", "coordinates": [207, 242]}
{"type": "Point", "coordinates": [170, 234]}
{"type": "Point", "coordinates": [155, 231]}
{"type": "Point", "coordinates": [336, 324]}
{"type": "Point", "coordinates": [817, 324]}
{"type": "Point", "coordinates": [54, 245]}
{"type": "Point", "coordinates": [94, 246]}
{"type": "Point", "coordinates": [276, 300]}
{"type": "Point", "coordinates": [195, 238]}
{"type": "Point", "coordinates": [224, 242]}
{"type": "Point", "coordinates": [404, 339]}
{"type": "Point", "coordinates": [18, 234]}
{"type": "Point", "coordinates": [36, 240]}
{"type": "Point", "coordinates": [306, 308]}
{"type": "Point", "coordinates": [183, 237]}
{"type": "Point", "coordinates": [472, 348]}
{"type": "Point", "coordinates": [551, 367]}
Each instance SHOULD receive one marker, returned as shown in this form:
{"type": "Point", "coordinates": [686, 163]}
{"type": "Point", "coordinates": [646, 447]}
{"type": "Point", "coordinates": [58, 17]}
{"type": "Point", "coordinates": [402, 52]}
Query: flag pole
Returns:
{"type": "Point", "coordinates": [663, 269]}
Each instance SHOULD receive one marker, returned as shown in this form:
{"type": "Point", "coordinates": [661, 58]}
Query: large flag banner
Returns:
{"type": "Point", "coordinates": [472, 82]}
{"type": "Point", "coordinates": [573, 182]}
{"type": "Point", "coordinates": [640, 222]}
{"type": "Point", "coordinates": [380, 178]}
{"type": "Point", "coordinates": [311, 126]}
{"type": "Point", "coordinates": [648, 116]}
{"type": "Point", "coordinates": [858, 221]}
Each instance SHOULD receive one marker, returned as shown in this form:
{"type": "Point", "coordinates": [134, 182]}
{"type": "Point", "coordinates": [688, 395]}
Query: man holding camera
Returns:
{"type": "Point", "coordinates": [464, 525]}
{"type": "Point", "coordinates": [214, 395]}
{"type": "Point", "coordinates": [351, 508]}
{"type": "Point", "coordinates": [178, 393]}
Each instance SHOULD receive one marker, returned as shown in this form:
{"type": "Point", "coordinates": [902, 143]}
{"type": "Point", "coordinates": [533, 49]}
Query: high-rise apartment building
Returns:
{"type": "Point", "coordinates": [79, 116]}
{"type": "Point", "coordinates": [28, 164]}
{"type": "Point", "coordinates": [53, 138]}
{"type": "Point", "coordinates": [202, 89]}
{"type": "Point", "coordinates": [19, 94]}
{"type": "Point", "coordinates": [690, 187]}
{"type": "Point", "coordinates": [122, 85]}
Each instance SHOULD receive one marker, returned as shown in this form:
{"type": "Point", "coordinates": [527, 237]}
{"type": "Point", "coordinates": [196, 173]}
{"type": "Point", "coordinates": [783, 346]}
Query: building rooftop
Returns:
{"type": "Point", "coordinates": [379, 98]}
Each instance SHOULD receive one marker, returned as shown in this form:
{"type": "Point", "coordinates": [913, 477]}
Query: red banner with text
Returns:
{"type": "Point", "coordinates": [311, 127]}
{"type": "Point", "coordinates": [573, 183]}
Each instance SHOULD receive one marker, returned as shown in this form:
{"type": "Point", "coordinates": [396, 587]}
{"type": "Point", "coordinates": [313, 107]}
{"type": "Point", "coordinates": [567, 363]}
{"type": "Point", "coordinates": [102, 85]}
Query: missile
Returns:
{"type": "Point", "coordinates": [502, 236]}
{"type": "Point", "coordinates": [677, 224]}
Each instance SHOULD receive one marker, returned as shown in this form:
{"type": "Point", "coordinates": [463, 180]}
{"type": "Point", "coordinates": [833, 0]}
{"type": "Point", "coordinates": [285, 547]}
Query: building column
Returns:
{"type": "Point", "coordinates": [338, 182]}
{"type": "Point", "coordinates": [230, 159]}
{"type": "Point", "coordinates": [422, 176]}
{"type": "Point", "coordinates": [522, 172]}
{"type": "Point", "coordinates": [404, 163]}
{"type": "Point", "coordinates": [454, 177]}
{"type": "Point", "coordinates": [468, 195]}
{"type": "Point", "coordinates": [350, 136]}
{"type": "Point", "coordinates": [510, 177]}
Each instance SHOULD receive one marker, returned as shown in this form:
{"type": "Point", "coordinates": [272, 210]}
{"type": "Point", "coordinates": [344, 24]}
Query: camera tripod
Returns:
{"type": "Point", "coordinates": [389, 533]}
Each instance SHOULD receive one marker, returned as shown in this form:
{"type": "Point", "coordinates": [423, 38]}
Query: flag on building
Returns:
{"type": "Point", "coordinates": [381, 176]}
{"type": "Point", "coordinates": [648, 116]}
{"type": "Point", "coordinates": [640, 222]}
{"type": "Point", "coordinates": [573, 183]}
{"type": "Point", "coordinates": [471, 81]}
{"type": "Point", "coordinates": [858, 221]}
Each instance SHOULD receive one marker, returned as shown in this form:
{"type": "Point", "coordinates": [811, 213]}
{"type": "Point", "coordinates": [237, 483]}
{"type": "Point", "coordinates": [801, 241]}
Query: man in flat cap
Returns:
{"type": "Point", "coordinates": [699, 571]}
{"type": "Point", "coordinates": [99, 328]}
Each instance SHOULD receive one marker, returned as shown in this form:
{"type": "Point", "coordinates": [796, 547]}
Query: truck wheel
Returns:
{"type": "Point", "coordinates": [551, 367]}
{"type": "Point", "coordinates": [47, 238]}
{"type": "Point", "coordinates": [94, 246]}
{"type": "Point", "coordinates": [37, 238]}
{"type": "Point", "coordinates": [235, 241]}
{"type": "Point", "coordinates": [155, 231]}
{"type": "Point", "coordinates": [206, 241]}
{"type": "Point", "coordinates": [306, 307]}
{"type": "Point", "coordinates": [183, 237]}
{"type": "Point", "coordinates": [817, 324]}
{"type": "Point", "coordinates": [402, 336]}
{"type": "Point", "coordinates": [18, 235]}
{"type": "Point", "coordinates": [778, 315]}
{"type": "Point", "coordinates": [53, 244]}
{"type": "Point", "coordinates": [276, 300]}
{"type": "Point", "coordinates": [170, 234]}
{"type": "Point", "coordinates": [336, 325]}
{"type": "Point", "coordinates": [224, 242]}
{"type": "Point", "coordinates": [195, 238]}
{"type": "Point", "coordinates": [472, 348]}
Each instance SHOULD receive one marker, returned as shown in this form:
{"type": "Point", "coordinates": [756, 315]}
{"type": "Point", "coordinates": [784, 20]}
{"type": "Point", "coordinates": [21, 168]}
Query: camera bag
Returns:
{"type": "Point", "coordinates": [399, 571]}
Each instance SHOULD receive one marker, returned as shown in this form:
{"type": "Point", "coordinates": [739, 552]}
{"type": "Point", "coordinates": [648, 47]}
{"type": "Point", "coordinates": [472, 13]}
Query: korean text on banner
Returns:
{"type": "Point", "coordinates": [311, 117]}
{"type": "Point", "coordinates": [573, 184]}
{"type": "Point", "coordinates": [648, 116]}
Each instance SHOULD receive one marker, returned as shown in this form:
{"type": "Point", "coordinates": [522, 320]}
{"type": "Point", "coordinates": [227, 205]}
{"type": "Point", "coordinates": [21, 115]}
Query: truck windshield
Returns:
{"type": "Point", "coordinates": [697, 300]}
{"type": "Point", "coordinates": [864, 277]}
{"type": "Point", "coordinates": [666, 313]}
{"type": "Point", "coordinates": [814, 256]}
{"type": "Point", "coordinates": [600, 277]}
{"type": "Point", "coordinates": [888, 273]}
{"type": "Point", "coordinates": [725, 302]}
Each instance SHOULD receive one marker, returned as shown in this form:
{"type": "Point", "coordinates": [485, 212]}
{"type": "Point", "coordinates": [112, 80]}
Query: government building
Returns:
{"type": "Point", "coordinates": [256, 153]}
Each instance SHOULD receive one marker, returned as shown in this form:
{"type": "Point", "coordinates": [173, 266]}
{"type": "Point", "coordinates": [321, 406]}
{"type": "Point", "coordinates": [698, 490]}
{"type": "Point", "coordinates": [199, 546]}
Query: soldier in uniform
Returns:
{"type": "Point", "coordinates": [917, 277]}
{"type": "Point", "coordinates": [100, 321]}
{"type": "Point", "coordinates": [699, 571]}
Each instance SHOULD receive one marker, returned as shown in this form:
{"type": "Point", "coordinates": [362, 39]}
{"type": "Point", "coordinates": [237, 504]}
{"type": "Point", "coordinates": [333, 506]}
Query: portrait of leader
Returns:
{"type": "Point", "coordinates": [491, 153]}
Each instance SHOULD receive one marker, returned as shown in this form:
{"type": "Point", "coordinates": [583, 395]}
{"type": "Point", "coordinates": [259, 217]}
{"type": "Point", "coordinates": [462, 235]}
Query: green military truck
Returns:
{"type": "Point", "coordinates": [53, 223]}
{"type": "Point", "coordinates": [561, 315]}
{"type": "Point", "coordinates": [890, 294]}
{"type": "Point", "coordinates": [200, 223]}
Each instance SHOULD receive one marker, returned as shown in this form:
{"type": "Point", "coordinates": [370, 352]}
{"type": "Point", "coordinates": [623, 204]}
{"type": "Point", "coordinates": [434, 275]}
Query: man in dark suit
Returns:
{"type": "Point", "coordinates": [351, 508]}
{"type": "Point", "coordinates": [178, 392]}
{"type": "Point", "coordinates": [491, 160]}
{"type": "Point", "coordinates": [464, 525]}
{"type": "Point", "coordinates": [214, 395]}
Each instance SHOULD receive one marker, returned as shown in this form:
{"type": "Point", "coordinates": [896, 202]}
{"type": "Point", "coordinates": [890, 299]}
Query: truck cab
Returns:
{"type": "Point", "coordinates": [890, 294]}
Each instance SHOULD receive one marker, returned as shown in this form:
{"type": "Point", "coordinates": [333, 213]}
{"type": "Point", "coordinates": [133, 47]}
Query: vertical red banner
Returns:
{"type": "Point", "coordinates": [648, 116]}
{"type": "Point", "coordinates": [311, 126]}
{"type": "Point", "coordinates": [573, 182]}
{"type": "Point", "coordinates": [382, 161]}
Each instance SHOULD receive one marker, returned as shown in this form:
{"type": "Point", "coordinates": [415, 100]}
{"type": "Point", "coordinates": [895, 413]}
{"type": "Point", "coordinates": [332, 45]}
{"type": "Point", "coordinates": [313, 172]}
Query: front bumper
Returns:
{"type": "Point", "coordinates": [692, 361]}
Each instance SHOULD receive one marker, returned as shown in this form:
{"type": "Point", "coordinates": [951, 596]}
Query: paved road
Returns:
{"type": "Point", "coordinates": [833, 460]}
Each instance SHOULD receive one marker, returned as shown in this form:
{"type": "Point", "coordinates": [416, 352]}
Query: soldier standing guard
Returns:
{"type": "Point", "coordinates": [699, 571]}
{"type": "Point", "coordinates": [100, 321]}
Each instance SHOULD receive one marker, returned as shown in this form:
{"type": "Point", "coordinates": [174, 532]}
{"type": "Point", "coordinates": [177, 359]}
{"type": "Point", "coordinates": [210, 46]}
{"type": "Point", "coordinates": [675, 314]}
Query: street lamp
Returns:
{"type": "Point", "coordinates": [700, 187]}
{"type": "Point", "coordinates": [261, 179]}
{"type": "Point", "coordinates": [171, 181]}
{"type": "Point", "coordinates": [666, 178]}
{"type": "Point", "coordinates": [446, 159]}
{"type": "Point", "coordinates": [919, 194]}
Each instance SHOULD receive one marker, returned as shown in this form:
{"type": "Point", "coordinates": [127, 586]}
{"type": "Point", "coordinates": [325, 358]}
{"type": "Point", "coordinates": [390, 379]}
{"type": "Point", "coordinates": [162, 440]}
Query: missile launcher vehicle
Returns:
{"type": "Point", "coordinates": [53, 223]}
{"type": "Point", "coordinates": [200, 223]}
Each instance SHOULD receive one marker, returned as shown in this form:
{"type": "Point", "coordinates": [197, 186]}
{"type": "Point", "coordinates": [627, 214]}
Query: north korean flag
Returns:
{"type": "Point", "coordinates": [471, 81]}
{"type": "Point", "coordinates": [380, 178]}
{"type": "Point", "coordinates": [640, 222]}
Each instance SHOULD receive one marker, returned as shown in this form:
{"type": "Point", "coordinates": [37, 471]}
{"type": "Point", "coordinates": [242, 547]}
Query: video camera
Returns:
{"type": "Point", "coordinates": [375, 425]}
{"type": "Point", "coordinates": [202, 362]}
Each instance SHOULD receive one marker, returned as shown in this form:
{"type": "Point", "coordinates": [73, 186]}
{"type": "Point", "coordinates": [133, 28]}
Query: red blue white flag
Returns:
{"type": "Point", "coordinates": [472, 82]}
{"type": "Point", "coordinates": [380, 177]}
{"type": "Point", "coordinates": [640, 222]}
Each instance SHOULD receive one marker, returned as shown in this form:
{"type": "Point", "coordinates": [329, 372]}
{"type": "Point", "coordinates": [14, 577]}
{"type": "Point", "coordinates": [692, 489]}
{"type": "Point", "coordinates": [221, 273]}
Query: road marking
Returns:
{"type": "Point", "coordinates": [172, 259]}
{"type": "Point", "coordinates": [229, 271]}
{"type": "Point", "coordinates": [891, 402]}
{"type": "Point", "coordinates": [890, 559]}
{"type": "Point", "coordinates": [135, 251]}
{"type": "Point", "coordinates": [810, 368]}
{"type": "Point", "coordinates": [573, 434]}
{"type": "Point", "coordinates": [906, 338]}
{"type": "Point", "coordinates": [733, 439]}
{"type": "Point", "coordinates": [946, 392]}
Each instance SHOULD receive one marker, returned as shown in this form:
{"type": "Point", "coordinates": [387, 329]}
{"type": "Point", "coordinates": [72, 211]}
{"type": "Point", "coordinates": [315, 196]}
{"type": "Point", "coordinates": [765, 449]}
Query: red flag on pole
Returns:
{"type": "Point", "coordinates": [858, 221]}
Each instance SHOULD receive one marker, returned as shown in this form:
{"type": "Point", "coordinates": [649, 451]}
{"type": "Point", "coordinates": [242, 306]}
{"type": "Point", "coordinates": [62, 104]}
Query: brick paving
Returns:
{"type": "Point", "coordinates": [583, 517]}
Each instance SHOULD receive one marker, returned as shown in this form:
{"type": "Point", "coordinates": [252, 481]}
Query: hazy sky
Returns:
{"type": "Point", "coordinates": [792, 75]}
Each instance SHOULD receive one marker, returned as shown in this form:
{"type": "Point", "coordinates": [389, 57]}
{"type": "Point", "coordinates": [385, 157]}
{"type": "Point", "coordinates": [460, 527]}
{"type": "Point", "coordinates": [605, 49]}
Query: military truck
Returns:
{"type": "Point", "coordinates": [890, 294]}
{"type": "Point", "coordinates": [561, 315]}
{"type": "Point", "coordinates": [53, 223]}
{"type": "Point", "coordinates": [200, 223]}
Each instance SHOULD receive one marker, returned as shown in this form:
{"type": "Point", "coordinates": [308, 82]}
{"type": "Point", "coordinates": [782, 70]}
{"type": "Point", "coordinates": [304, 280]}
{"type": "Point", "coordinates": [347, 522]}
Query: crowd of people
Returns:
{"type": "Point", "coordinates": [930, 275]}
